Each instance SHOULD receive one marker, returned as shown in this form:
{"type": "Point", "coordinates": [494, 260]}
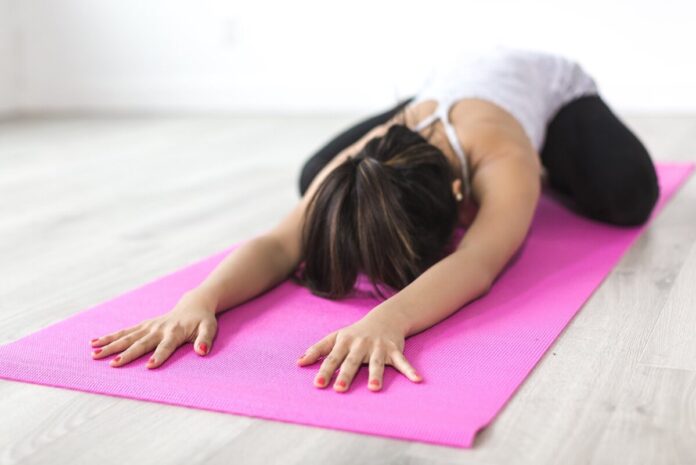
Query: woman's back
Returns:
{"type": "Point", "coordinates": [530, 85]}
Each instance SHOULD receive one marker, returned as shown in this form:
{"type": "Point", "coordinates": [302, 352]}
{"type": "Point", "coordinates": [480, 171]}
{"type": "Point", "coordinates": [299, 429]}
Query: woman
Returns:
{"type": "Point", "coordinates": [383, 198]}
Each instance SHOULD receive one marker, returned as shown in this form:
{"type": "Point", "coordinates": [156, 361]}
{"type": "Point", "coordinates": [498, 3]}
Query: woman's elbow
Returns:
{"type": "Point", "coordinates": [486, 286]}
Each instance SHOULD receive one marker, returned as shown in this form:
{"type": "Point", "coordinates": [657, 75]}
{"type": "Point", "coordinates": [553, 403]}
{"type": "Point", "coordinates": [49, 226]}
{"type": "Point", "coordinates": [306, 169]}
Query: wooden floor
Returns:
{"type": "Point", "coordinates": [93, 207]}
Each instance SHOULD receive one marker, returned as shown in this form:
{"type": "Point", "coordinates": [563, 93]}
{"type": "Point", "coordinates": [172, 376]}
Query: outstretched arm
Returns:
{"type": "Point", "coordinates": [264, 261]}
{"type": "Point", "coordinates": [508, 188]}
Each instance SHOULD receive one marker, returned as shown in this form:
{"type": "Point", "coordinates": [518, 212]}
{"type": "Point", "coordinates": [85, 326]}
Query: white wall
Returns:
{"type": "Point", "coordinates": [312, 55]}
{"type": "Point", "coordinates": [8, 56]}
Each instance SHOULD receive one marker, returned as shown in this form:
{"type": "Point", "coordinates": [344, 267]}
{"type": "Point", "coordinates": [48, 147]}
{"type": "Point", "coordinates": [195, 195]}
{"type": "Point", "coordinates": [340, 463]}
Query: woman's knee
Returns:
{"type": "Point", "coordinates": [634, 207]}
{"type": "Point", "coordinates": [626, 200]}
{"type": "Point", "coordinates": [617, 180]}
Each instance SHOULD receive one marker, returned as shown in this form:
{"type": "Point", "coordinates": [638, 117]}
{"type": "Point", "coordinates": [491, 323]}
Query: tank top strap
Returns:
{"type": "Point", "coordinates": [454, 142]}
{"type": "Point", "coordinates": [442, 112]}
{"type": "Point", "coordinates": [425, 122]}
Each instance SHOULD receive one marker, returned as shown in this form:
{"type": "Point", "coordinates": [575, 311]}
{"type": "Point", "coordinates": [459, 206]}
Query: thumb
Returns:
{"type": "Point", "coordinates": [206, 332]}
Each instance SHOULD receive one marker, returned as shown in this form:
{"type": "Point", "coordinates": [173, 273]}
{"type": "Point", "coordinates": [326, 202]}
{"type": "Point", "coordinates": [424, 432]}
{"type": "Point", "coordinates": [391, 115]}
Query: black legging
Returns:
{"type": "Point", "coordinates": [589, 154]}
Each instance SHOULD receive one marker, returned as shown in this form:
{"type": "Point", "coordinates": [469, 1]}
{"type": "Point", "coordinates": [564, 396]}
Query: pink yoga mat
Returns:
{"type": "Point", "coordinates": [471, 363]}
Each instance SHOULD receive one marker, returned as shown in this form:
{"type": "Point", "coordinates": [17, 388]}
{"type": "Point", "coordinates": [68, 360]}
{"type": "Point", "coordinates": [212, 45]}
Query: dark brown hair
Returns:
{"type": "Point", "coordinates": [388, 212]}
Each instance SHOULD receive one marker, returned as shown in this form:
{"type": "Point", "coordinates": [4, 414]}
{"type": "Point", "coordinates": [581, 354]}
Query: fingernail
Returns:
{"type": "Point", "coordinates": [321, 380]}
{"type": "Point", "coordinates": [341, 383]}
{"type": "Point", "coordinates": [96, 351]}
{"type": "Point", "coordinates": [117, 359]}
{"type": "Point", "coordinates": [95, 339]}
{"type": "Point", "coordinates": [374, 382]}
{"type": "Point", "coordinates": [203, 347]}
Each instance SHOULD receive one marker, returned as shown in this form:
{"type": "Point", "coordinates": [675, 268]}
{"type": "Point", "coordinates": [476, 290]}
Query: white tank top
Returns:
{"type": "Point", "coordinates": [532, 86]}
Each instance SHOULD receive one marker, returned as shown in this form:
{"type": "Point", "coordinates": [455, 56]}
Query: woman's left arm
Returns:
{"type": "Point", "coordinates": [508, 187]}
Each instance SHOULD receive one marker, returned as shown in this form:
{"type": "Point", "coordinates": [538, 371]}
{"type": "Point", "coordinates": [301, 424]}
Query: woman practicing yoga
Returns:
{"type": "Point", "coordinates": [384, 197]}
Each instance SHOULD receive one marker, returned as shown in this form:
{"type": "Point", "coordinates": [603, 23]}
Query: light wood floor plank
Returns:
{"type": "Point", "coordinates": [672, 343]}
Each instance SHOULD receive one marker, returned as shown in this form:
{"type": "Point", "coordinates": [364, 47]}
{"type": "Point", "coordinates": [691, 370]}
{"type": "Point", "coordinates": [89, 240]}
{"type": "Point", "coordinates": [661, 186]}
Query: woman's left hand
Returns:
{"type": "Point", "coordinates": [370, 340]}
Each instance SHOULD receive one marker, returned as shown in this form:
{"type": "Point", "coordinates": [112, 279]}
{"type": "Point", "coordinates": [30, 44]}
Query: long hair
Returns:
{"type": "Point", "coordinates": [387, 211]}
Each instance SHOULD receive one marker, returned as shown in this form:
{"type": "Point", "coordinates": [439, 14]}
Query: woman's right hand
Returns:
{"type": "Point", "coordinates": [191, 320]}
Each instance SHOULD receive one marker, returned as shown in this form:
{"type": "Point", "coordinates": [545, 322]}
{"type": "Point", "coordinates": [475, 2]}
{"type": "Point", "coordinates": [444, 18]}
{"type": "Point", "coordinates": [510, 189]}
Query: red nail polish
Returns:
{"type": "Point", "coordinates": [152, 360]}
{"type": "Point", "coordinates": [374, 382]}
{"type": "Point", "coordinates": [117, 359]}
{"type": "Point", "coordinates": [95, 339]}
{"type": "Point", "coordinates": [321, 380]}
{"type": "Point", "coordinates": [341, 383]}
{"type": "Point", "coordinates": [203, 347]}
{"type": "Point", "coordinates": [96, 351]}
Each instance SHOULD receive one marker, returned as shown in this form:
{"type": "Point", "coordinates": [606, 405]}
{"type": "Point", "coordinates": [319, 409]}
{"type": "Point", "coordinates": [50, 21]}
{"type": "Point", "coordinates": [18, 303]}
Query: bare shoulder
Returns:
{"type": "Point", "coordinates": [506, 170]}
{"type": "Point", "coordinates": [490, 131]}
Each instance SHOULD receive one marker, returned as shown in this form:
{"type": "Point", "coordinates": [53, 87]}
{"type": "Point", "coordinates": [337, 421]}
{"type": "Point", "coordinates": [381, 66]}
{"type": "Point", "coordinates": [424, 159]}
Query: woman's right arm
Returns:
{"type": "Point", "coordinates": [247, 271]}
{"type": "Point", "coordinates": [254, 267]}
{"type": "Point", "coordinates": [250, 269]}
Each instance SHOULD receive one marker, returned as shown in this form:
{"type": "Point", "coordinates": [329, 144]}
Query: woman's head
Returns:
{"type": "Point", "coordinates": [388, 212]}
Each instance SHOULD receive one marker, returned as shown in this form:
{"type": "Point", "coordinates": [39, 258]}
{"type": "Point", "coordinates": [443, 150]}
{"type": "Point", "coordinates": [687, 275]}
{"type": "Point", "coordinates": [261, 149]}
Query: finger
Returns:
{"type": "Point", "coordinates": [100, 341]}
{"type": "Point", "coordinates": [349, 368]}
{"type": "Point", "coordinates": [118, 345]}
{"type": "Point", "coordinates": [400, 363]}
{"type": "Point", "coordinates": [319, 349]}
{"type": "Point", "coordinates": [206, 332]}
{"type": "Point", "coordinates": [328, 366]}
{"type": "Point", "coordinates": [376, 373]}
{"type": "Point", "coordinates": [164, 350]}
{"type": "Point", "coordinates": [137, 349]}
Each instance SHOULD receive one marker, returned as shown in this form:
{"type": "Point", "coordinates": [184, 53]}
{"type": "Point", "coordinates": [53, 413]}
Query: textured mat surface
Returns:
{"type": "Point", "coordinates": [471, 363]}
